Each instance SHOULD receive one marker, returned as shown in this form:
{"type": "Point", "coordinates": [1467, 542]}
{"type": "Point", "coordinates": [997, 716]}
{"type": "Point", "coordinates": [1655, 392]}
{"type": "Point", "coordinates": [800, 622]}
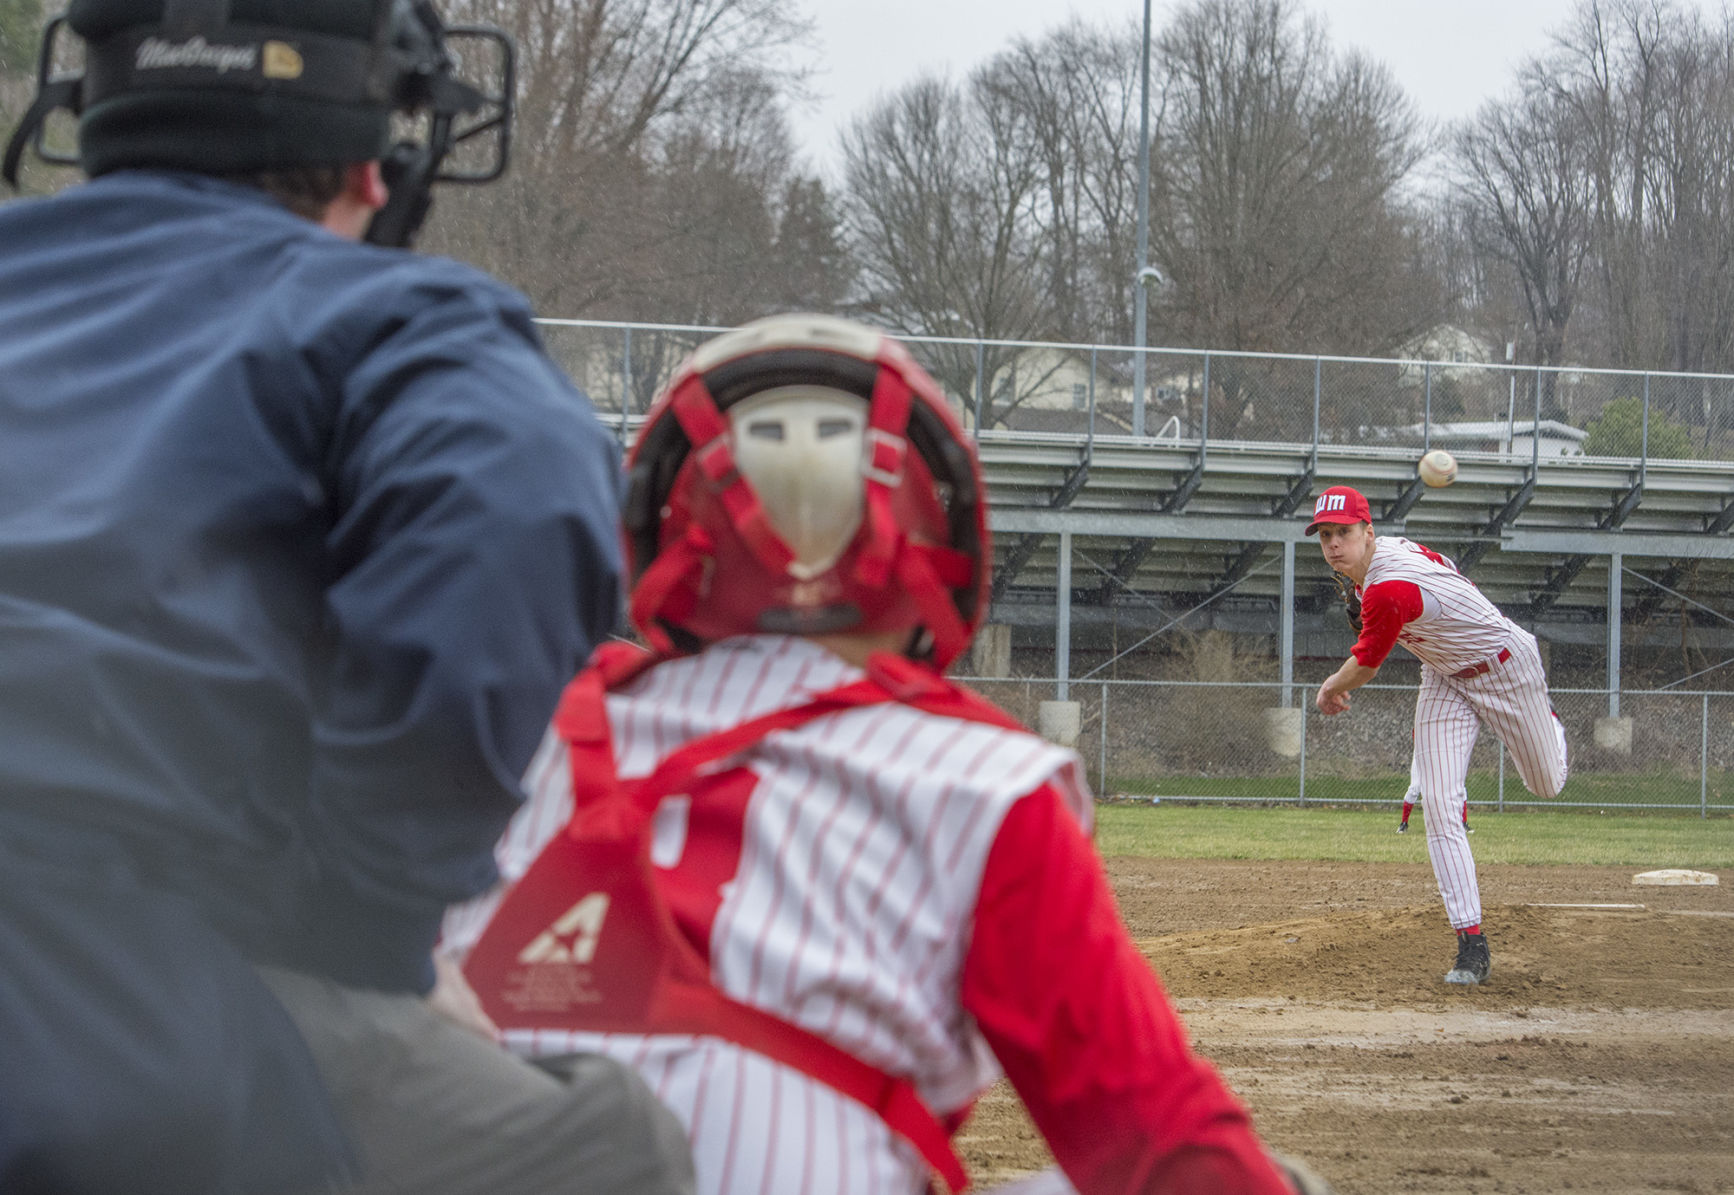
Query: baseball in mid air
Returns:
{"type": "Point", "coordinates": [1438, 468]}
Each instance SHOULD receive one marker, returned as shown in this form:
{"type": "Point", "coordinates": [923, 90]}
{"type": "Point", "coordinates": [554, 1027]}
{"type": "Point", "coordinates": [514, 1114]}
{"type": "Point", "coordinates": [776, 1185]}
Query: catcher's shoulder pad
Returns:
{"type": "Point", "coordinates": [917, 684]}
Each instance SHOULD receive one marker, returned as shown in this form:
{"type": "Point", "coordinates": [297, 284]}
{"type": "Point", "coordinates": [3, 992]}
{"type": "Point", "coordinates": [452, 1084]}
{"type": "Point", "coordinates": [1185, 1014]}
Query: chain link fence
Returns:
{"type": "Point", "coordinates": [1213, 740]}
{"type": "Point", "coordinates": [1236, 742]}
{"type": "Point", "coordinates": [1520, 412]}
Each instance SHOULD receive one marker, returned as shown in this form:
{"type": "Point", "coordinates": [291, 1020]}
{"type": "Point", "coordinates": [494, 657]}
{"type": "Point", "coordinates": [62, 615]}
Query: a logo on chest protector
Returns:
{"type": "Point", "coordinates": [573, 936]}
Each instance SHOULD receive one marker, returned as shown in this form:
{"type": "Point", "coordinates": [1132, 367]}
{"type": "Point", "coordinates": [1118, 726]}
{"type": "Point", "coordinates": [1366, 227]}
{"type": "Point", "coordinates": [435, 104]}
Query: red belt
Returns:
{"type": "Point", "coordinates": [1475, 670]}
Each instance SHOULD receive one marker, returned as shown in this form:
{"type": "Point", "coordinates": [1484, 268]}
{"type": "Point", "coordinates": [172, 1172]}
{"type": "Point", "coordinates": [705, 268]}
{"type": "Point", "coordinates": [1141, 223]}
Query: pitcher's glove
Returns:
{"type": "Point", "coordinates": [1301, 1176]}
{"type": "Point", "coordinates": [1351, 599]}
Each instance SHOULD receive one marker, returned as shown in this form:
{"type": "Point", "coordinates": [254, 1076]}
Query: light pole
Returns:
{"type": "Point", "coordinates": [1511, 402]}
{"type": "Point", "coordinates": [1140, 296]}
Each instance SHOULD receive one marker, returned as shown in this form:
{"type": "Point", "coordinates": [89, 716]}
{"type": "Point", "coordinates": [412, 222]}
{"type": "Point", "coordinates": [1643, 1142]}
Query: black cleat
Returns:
{"type": "Point", "coordinates": [1403, 826]}
{"type": "Point", "coordinates": [1474, 960]}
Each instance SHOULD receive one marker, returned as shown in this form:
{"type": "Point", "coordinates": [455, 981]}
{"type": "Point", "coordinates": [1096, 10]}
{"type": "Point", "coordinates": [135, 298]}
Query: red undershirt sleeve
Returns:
{"type": "Point", "coordinates": [1385, 609]}
{"type": "Point", "coordinates": [1084, 1031]}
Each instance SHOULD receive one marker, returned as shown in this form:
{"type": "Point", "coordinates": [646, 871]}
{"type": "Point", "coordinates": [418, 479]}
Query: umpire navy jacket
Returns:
{"type": "Point", "coordinates": [299, 539]}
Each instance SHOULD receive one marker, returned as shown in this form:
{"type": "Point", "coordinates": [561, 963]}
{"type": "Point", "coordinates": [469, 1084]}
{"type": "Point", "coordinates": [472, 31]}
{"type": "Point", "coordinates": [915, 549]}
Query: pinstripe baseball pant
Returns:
{"type": "Point", "coordinates": [1510, 700]}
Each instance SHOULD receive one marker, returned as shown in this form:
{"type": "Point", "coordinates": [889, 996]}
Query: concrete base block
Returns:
{"type": "Point", "coordinates": [991, 654]}
{"type": "Point", "coordinates": [1614, 734]}
{"type": "Point", "coordinates": [1282, 731]}
{"type": "Point", "coordinates": [1060, 721]}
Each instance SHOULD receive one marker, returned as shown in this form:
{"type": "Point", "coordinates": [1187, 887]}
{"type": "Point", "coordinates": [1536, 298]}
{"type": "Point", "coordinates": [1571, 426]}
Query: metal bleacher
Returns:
{"type": "Point", "coordinates": [1163, 527]}
{"type": "Point", "coordinates": [1183, 524]}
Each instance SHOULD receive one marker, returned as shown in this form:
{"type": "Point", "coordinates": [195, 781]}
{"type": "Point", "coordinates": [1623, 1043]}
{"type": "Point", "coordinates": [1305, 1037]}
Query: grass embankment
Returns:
{"type": "Point", "coordinates": [1650, 840]}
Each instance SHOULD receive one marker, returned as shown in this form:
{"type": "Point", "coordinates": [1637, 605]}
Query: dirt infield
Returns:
{"type": "Point", "coordinates": [1599, 1056]}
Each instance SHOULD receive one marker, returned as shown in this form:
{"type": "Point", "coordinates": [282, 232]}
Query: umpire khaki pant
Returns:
{"type": "Point", "coordinates": [434, 1109]}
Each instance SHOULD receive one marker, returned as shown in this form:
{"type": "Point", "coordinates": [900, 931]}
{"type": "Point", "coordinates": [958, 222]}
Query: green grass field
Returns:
{"type": "Point", "coordinates": [1662, 788]}
{"type": "Point", "coordinates": [1648, 840]}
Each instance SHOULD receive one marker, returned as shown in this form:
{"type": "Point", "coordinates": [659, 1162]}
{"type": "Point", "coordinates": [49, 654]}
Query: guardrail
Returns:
{"type": "Point", "coordinates": [1518, 412]}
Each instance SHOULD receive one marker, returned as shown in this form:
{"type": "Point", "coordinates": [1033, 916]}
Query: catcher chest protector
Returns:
{"type": "Point", "coordinates": [585, 942]}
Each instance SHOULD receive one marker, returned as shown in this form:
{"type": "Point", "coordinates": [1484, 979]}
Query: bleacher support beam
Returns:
{"type": "Point", "coordinates": [1025, 547]}
{"type": "Point", "coordinates": [1506, 516]}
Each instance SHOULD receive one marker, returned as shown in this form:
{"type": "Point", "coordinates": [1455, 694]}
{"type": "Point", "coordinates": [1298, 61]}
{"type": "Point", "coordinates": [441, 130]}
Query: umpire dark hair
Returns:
{"type": "Point", "coordinates": [305, 190]}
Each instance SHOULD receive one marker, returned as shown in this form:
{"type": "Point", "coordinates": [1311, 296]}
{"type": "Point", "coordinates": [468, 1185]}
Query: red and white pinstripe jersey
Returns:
{"type": "Point", "coordinates": [1457, 627]}
{"type": "Point", "coordinates": [844, 896]}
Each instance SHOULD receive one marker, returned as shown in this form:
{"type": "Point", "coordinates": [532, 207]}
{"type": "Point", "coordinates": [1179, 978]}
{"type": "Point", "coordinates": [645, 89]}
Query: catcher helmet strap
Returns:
{"type": "Point", "coordinates": [706, 428]}
{"type": "Point", "coordinates": [918, 574]}
{"type": "Point", "coordinates": [663, 579]}
{"type": "Point", "coordinates": [887, 422]}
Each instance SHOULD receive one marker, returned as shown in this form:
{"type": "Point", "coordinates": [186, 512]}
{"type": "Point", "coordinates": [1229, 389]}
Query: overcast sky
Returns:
{"type": "Point", "coordinates": [1448, 56]}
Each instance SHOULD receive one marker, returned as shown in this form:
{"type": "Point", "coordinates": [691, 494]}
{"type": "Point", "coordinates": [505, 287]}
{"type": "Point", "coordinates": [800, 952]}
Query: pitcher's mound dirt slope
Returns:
{"type": "Point", "coordinates": [1598, 1057]}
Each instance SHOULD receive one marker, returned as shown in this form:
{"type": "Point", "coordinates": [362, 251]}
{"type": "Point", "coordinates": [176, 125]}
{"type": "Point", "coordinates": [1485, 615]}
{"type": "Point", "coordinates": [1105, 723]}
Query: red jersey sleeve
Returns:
{"type": "Point", "coordinates": [1084, 1031]}
{"type": "Point", "coordinates": [1385, 609]}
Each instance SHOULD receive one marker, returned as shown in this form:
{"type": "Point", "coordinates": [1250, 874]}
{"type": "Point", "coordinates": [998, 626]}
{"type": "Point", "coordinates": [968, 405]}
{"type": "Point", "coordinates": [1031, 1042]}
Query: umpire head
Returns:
{"type": "Point", "coordinates": [288, 95]}
{"type": "Point", "coordinates": [233, 86]}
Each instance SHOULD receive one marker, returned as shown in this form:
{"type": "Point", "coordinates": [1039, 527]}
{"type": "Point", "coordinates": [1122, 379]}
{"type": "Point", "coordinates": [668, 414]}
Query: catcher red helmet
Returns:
{"type": "Point", "coordinates": [802, 474]}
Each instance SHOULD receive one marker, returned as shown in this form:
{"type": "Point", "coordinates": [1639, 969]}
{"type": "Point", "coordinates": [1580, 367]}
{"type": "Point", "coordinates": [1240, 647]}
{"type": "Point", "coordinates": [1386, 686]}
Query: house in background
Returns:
{"type": "Point", "coordinates": [1509, 437]}
{"type": "Point", "coordinates": [1451, 345]}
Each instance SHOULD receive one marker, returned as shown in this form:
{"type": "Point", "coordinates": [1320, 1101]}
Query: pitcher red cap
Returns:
{"type": "Point", "coordinates": [1340, 504]}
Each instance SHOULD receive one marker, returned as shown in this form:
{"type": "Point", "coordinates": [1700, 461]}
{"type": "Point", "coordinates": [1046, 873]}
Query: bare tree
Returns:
{"type": "Point", "coordinates": [1276, 210]}
{"type": "Point", "coordinates": [20, 34]}
{"type": "Point", "coordinates": [708, 218]}
{"type": "Point", "coordinates": [598, 76]}
{"type": "Point", "coordinates": [1608, 68]}
{"type": "Point", "coordinates": [1650, 86]}
{"type": "Point", "coordinates": [939, 182]}
{"type": "Point", "coordinates": [813, 269]}
{"type": "Point", "coordinates": [651, 157]}
{"type": "Point", "coordinates": [1527, 194]}
{"type": "Point", "coordinates": [1692, 199]}
{"type": "Point", "coordinates": [20, 31]}
{"type": "Point", "coordinates": [1077, 90]}
{"type": "Point", "coordinates": [1276, 167]}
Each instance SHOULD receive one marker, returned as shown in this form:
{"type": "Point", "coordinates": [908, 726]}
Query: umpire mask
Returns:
{"type": "Point", "coordinates": [228, 87]}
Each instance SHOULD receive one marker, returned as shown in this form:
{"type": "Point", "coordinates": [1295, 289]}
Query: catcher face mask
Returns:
{"type": "Point", "coordinates": [801, 447]}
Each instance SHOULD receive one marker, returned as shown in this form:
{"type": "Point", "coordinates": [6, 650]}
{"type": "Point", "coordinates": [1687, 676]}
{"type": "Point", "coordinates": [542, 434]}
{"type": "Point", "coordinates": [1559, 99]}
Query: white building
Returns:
{"type": "Point", "coordinates": [1511, 437]}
